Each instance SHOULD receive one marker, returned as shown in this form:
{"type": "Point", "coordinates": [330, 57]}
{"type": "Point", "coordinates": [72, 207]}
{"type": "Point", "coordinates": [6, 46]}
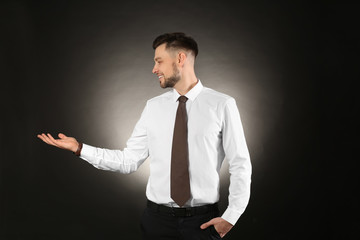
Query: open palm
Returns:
{"type": "Point", "coordinates": [64, 142]}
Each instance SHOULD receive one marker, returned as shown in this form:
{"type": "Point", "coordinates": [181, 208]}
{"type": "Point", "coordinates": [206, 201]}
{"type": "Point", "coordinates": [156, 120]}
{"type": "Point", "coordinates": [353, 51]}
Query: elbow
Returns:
{"type": "Point", "coordinates": [128, 169]}
{"type": "Point", "coordinates": [240, 165]}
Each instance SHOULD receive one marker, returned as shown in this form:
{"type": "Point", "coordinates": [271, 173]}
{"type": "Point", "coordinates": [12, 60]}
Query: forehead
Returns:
{"type": "Point", "coordinates": [161, 52]}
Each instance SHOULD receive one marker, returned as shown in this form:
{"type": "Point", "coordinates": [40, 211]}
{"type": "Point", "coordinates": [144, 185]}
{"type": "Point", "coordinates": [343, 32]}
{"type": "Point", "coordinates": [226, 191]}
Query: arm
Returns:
{"type": "Point", "coordinates": [236, 152]}
{"type": "Point", "coordinates": [125, 161]}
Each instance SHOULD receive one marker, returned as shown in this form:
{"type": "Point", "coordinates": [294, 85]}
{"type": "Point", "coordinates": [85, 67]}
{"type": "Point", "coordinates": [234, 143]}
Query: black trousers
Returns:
{"type": "Point", "coordinates": [163, 226]}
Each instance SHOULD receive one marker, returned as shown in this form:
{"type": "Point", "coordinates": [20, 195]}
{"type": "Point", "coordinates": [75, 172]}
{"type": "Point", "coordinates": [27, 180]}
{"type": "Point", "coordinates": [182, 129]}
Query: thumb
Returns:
{"type": "Point", "coordinates": [61, 135]}
{"type": "Point", "coordinates": [207, 224]}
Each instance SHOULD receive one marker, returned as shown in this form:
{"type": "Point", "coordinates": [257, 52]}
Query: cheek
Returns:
{"type": "Point", "coordinates": [163, 73]}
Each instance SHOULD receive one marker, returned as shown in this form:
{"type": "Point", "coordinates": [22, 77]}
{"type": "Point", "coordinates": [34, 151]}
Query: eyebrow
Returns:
{"type": "Point", "coordinates": [157, 58]}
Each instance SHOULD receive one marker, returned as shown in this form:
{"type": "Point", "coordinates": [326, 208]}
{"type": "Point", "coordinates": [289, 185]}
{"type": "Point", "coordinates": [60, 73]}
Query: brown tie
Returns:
{"type": "Point", "coordinates": [180, 181]}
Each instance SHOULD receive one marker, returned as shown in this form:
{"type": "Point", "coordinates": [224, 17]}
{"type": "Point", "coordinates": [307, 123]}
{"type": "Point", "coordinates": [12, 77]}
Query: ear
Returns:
{"type": "Point", "coordinates": [181, 58]}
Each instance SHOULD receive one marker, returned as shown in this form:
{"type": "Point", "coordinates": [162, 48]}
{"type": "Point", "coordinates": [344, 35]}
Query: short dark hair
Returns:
{"type": "Point", "coordinates": [177, 40]}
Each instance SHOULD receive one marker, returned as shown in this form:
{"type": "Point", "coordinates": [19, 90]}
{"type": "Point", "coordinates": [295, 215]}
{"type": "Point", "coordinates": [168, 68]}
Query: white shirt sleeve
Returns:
{"type": "Point", "coordinates": [126, 161]}
{"type": "Point", "coordinates": [236, 152]}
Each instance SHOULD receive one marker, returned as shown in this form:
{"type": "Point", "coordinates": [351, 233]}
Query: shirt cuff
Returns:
{"type": "Point", "coordinates": [231, 216]}
{"type": "Point", "coordinates": [87, 152]}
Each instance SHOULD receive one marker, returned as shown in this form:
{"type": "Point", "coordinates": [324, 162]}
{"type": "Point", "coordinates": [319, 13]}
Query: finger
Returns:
{"type": "Point", "coordinates": [41, 137]}
{"type": "Point", "coordinates": [48, 140]}
{"type": "Point", "coordinates": [207, 224]}
{"type": "Point", "coordinates": [52, 140]}
{"type": "Point", "coordinates": [51, 137]}
{"type": "Point", "coordinates": [45, 139]}
{"type": "Point", "coordinates": [62, 136]}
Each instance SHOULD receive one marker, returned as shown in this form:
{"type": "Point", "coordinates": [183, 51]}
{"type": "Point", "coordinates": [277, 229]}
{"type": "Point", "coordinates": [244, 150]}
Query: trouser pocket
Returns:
{"type": "Point", "coordinates": [214, 233]}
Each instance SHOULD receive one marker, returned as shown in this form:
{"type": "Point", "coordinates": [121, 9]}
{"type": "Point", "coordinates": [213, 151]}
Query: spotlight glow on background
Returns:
{"type": "Point", "coordinates": [124, 82]}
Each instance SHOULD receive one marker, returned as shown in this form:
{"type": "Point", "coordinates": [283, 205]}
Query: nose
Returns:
{"type": "Point", "coordinates": [155, 70]}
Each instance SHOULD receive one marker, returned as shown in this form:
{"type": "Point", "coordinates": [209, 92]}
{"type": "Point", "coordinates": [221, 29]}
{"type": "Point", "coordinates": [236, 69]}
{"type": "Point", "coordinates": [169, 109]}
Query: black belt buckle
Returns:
{"type": "Point", "coordinates": [181, 212]}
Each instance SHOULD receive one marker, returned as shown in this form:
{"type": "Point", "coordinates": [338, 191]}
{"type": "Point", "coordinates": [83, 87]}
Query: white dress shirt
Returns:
{"type": "Point", "coordinates": [214, 132]}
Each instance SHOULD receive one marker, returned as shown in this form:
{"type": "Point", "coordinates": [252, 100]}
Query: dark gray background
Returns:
{"type": "Point", "coordinates": [84, 69]}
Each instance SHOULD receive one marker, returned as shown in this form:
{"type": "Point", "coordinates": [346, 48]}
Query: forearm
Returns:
{"type": "Point", "coordinates": [239, 192]}
{"type": "Point", "coordinates": [126, 161]}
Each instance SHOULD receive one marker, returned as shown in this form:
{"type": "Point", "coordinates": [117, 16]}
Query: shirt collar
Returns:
{"type": "Point", "coordinates": [192, 94]}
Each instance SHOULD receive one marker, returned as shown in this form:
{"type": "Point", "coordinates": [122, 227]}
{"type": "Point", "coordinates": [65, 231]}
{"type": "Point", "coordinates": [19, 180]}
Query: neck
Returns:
{"type": "Point", "coordinates": [186, 83]}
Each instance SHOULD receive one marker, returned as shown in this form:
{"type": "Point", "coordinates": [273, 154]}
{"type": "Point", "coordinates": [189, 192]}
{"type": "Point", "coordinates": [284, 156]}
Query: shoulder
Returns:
{"type": "Point", "coordinates": [215, 96]}
{"type": "Point", "coordinates": [162, 97]}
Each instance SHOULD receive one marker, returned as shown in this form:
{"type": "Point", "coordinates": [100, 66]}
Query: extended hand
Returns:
{"type": "Point", "coordinates": [221, 225]}
{"type": "Point", "coordinates": [67, 143]}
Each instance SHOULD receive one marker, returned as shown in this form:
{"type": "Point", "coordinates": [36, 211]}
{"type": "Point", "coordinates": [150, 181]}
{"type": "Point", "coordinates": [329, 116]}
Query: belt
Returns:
{"type": "Point", "coordinates": [183, 211]}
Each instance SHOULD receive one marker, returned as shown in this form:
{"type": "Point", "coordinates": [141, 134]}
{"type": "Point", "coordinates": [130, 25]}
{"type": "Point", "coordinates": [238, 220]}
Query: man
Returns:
{"type": "Point", "coordinates": [186, 133]}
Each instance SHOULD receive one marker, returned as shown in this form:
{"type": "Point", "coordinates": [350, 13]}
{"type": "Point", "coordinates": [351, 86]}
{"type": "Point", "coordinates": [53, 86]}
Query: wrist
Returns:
{"type": "Point", "coordinates": [78, 150]}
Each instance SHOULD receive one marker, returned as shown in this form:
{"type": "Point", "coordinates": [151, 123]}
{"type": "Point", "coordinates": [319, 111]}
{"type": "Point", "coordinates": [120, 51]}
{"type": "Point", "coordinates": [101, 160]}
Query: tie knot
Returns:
{"type": "Point", "coordinates": [182, 99]}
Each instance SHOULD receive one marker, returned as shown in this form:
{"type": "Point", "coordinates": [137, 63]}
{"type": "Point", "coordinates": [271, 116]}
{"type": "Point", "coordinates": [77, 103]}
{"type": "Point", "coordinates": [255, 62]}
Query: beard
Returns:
{"type": "Point", "coordinates": [172, 80]}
